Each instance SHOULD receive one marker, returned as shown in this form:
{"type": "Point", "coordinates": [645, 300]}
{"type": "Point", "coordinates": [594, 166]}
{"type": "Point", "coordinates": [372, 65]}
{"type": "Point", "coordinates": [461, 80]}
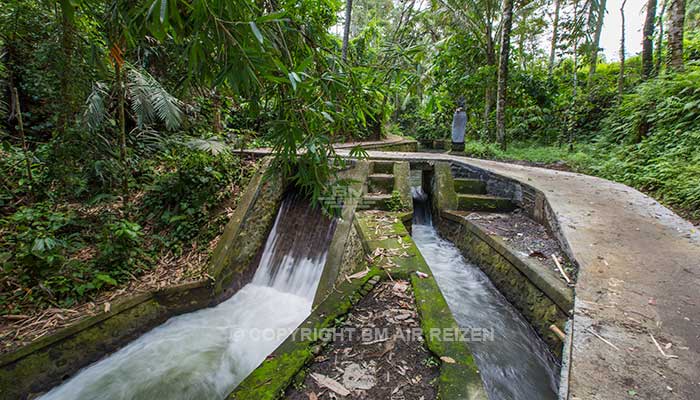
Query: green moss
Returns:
{"type": "Point", "coordinates": [273, 376]}
{"type": "Point", "coordinates": [460, 380]}
{"type": "Point", "coordinates": [402, 185]}
{"type": "Point", "coordinates": [45, 367]}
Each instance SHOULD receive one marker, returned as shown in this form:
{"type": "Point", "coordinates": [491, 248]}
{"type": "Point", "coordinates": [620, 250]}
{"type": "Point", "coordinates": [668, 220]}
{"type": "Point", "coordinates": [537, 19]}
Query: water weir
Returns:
{"type": "Point", "coordinates": [513, 361]}
{"type": "Point", "coordinates": [205, 354]}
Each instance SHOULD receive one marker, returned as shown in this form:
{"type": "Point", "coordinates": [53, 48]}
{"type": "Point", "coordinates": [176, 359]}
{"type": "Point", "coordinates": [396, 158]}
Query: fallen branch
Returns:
{"type": "Point", "coordinates": [561, 270]}
{"type": "Point", "coordinates": [658, 346]}
{"type": "Point", "coordinates": [603, 339]}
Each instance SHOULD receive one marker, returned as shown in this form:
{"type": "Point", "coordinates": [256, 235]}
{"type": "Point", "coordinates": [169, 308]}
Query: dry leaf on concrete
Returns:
{"type": "Point", "coordinates": [312, 396]}
{"type": "Point", "coordinates": [330, 383]}
{"type": "Point", "coordinates": [359, 275]}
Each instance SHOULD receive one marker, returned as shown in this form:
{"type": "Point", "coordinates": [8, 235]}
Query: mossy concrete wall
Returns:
{"type": "Point", "coordinates": [402, 184]}
{"type": "Point", "coordinates": [49, 361]}
{"type": "Point", "coordinates": [52, 359]}
{"type": "Point", "coordinates": [277, 371]}
{"type": "Point", "coordinates": [238, 251]}
{"type": "Point", "coordinates": [528, 198]}
{"type": "Point", "coordinates": [457, 381]}
{"type": "Point", "coordinates": [542, 300]}
{"type": "Point", "coordinates": [344, 251]}
{"type": "Point", "coordinates": [442, 189]}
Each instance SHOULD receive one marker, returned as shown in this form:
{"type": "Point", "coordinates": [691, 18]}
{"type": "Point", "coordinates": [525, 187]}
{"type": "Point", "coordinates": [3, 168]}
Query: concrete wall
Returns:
{"type": "Point", "coordinates": [537, 302]}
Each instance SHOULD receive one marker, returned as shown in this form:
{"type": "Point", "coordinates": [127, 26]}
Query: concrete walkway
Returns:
{"type": "Point", "coordinates": [639, 276]}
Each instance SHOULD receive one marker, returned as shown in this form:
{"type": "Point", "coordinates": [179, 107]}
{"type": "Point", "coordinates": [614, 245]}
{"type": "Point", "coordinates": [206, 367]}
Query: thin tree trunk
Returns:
{"type": "Point", "coordinates": [575, 85]}
{"type": "Point", "coordinates": [67, 110]}
{"type": "Point", "coordinates": [621, 78]}
{"type": "Point", "coordinates": [595, 46]}
{"type": "Point", "coordinates": [216, 104]}
{"type": "Point", "coordinates": [23, 138]}
{"type": "Point", "coordinates": [555, 38]}
{"type": "Point", "coordinates": [488, 91]}
{"type": "Point", "coordinates": [659, 40]}
{"type": "Point", "coordinates": [122, 131]}
{"type": "Point", "coordinates": [647, 40]}
{"type": "Point", "coordinates": [346, 31]}
{"type": "Point", "coordinates": [676, 19]}
{"type": "Point", "coordinates": [503, 73]}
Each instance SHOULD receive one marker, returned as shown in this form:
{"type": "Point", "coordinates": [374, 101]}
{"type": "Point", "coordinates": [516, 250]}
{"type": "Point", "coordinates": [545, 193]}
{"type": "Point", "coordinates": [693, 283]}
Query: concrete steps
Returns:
{"type": "Point", "coordinates": [387, 187]}
{"type": "Point", "coordinates": [469, 186]}
{"type": "Point", "coordinates": [483, 202]}
{"type": "Point", "coordinates": [377, 201]}
{"type": "Point", "coordinates": [382, 167]}
{"type": "Point", "coordinates": [380, 183]}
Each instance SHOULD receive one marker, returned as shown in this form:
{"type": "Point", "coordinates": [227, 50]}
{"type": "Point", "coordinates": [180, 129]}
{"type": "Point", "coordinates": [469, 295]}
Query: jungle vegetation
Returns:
{"type": "Point", "coordinates": [118, 118]}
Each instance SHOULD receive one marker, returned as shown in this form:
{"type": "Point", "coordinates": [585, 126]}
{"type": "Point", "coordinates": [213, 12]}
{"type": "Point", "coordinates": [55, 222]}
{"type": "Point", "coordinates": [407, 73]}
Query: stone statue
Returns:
{"type": "Point", "coordinates": [459, 126]}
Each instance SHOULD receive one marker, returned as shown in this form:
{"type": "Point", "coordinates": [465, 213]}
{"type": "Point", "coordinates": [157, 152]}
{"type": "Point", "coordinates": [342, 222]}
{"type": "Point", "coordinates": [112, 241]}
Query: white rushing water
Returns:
{"type": "Point", "coordinates": [207, 353]}
{"type": "Point", "coordinates": [516, 364]}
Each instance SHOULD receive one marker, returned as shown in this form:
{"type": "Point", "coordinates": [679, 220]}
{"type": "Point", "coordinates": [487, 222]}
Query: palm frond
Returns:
{"type": "Point", "coordinates": [95, 108]}
{"type": "Point", "coordinates": [213, 146]}
{"type": "Point", "coordinates": [150, 102]}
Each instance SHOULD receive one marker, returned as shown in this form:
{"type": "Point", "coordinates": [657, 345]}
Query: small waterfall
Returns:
{"type": "Point", "coordinates": [421, 207]}
{"type": "Point", "coordinates": [296, 249]}
{"type": "Point", "coordinates": [207, 353]}
{"type": "Point", "coordinates": [513, 362]}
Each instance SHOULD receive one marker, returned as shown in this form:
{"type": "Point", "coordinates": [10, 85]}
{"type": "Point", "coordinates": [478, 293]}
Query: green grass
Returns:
{"type": "Point", "coordinates": [579, 160]}
{"type": "Point", "coordinates": [670, 179]}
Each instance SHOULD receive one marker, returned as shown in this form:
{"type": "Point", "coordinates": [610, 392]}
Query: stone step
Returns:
{"type": "Point", "coordinates": [375, 201]}
{"type": "Point", "coordinates": [382, 167]}
{"type": "Point", "coordinates": [481, 202]}
{"type": "Point", "coordinates": [470, 186]}
{"type": "Point", "coordinates": [380, 183]}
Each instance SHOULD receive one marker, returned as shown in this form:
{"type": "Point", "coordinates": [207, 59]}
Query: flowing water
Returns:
{"type": "Point", "coordinates": [207, 353]}
{"type": "Point", "coordinates": [516, 364]}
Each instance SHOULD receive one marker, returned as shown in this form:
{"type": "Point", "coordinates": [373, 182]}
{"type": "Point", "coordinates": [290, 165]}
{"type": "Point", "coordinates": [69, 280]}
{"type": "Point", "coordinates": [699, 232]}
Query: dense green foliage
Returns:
{"type": "Point", "coordinates": [55, 253]}
{"type": "Point", "coordinates": [130, 110]}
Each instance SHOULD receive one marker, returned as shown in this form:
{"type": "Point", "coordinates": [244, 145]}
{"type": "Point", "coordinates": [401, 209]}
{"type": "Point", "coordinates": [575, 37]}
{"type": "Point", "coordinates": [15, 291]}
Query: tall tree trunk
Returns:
{"type": "Point", "coordinates": [647, 40]}
{"type": "Point", "coordinates": [503, 73]}
{"type": "Point", "coordinates": [68, 107]}
{"type": "Point", "coordinates": [595, 46]}
{"type": "Point", "coordinates": [346, 31]}
{"type": "Point", "coordinates": [659, 40]}
{"type": "Point", "coordinates": [621, 78]}
{"type": "Point", "coordinates": [122, 131]}
{"type": "Point", "coordinates": [555, 37]}
{"type": "Point", "coordinates": [572, 113]}
{"type": "Point", "coordinates": [489, 98]}
{"type": "Point", "coordinates": [676, 19]}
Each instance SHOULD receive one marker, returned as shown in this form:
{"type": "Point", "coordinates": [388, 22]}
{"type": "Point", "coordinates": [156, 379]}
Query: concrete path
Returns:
{"type": "Point", "coordinates": [639, 277]}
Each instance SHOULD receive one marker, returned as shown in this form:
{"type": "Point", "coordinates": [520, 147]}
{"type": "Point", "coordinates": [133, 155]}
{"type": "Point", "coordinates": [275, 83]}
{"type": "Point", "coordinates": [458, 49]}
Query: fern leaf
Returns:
{"type": "Point", "coordinates": [150, 102]}
{"type": "Point", "coordinates": [95, 110]}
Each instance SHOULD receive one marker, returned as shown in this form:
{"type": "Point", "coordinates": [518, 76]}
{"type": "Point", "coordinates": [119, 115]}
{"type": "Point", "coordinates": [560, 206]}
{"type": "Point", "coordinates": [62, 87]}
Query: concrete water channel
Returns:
{"type": "Point", "coordinates": [298, 274]}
